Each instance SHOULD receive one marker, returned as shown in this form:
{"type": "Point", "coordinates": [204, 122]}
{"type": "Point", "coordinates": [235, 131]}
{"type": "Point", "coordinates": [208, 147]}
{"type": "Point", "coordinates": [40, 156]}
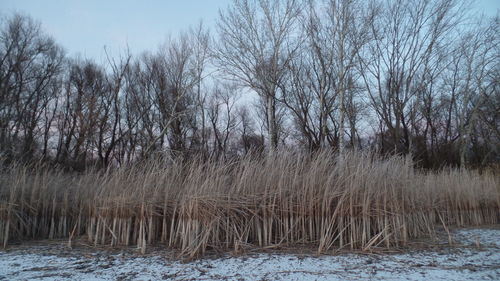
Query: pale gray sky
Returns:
{"type": "Point", "coordinates": [85, 27]}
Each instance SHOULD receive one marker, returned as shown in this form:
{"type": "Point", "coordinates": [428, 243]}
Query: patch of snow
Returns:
{"type": "Point", "coordinates": [465, 262]}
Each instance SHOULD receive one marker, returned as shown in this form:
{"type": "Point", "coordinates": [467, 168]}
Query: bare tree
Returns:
{"type": "Point", "coordinates": [314, 65]}
{"type": "Point", "coordinates": [250, 141]}
{"type": "Point", "coordinates": [406, 36]}
{"type": "Point", "coordinates": [222, 117]}
{"type": "Point", "coordinates": [83, 119]}
{"type": "Point", "coordinates": [320, 85]}
{"type": "Point", "coordinates": [201, 42]}
{"type": "Point", "coordinates": [478, 84]}
{"type": "Point", "coordinates": [114, 135]}
{"type": "Point", "coordinates": [256, 45]}
{"type": "Point", "coordinates": [30, 64]}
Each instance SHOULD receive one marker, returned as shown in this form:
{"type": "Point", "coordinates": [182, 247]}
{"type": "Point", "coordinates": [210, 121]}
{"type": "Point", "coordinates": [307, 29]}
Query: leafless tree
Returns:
{"type": "Point", "coordinates": [477, 94]}
{"type": "Point", "coordinates": [30, 64]}
{"type": "Point", "coordinates": [255, 46]}
{"type": "Point", "coordinates": [323, 72]}
{"type": "Point", "coordinates": [406, 35]}
{"type": "Point", "coordinates": [320, 84]}
{"type": "Point", "coordinates": [83, 119]}
{"type": "Point", "coordinates": [201, 42]}
{"type": "Point", "coordinates": [222, 117]}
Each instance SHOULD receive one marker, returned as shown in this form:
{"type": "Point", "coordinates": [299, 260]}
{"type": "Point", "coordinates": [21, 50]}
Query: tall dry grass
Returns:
{"type": "Point", "coordinates": [359, 202]}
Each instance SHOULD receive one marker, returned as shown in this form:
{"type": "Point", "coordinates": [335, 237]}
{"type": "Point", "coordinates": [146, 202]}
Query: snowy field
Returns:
{"type": "Point", "coordinates": [475, 255]}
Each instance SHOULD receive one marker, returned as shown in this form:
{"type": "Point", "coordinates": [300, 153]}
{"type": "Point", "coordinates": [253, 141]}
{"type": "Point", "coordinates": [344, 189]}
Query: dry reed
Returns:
{"type": "Point", "coordinates": [358, 202]}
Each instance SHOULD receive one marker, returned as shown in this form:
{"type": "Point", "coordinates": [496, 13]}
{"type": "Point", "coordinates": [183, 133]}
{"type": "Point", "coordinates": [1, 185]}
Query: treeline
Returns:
{"type": "Point", "coordinates": [415, 77]}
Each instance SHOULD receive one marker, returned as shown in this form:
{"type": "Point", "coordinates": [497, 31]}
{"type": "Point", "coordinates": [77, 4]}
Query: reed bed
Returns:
{"type": "Point", "coordinates": [287, 199]}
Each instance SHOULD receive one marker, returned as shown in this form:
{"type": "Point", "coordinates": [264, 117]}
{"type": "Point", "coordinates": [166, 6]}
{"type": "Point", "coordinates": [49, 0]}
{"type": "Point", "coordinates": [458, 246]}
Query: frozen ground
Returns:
{"type": "Point", "coordinates": [474, 256]}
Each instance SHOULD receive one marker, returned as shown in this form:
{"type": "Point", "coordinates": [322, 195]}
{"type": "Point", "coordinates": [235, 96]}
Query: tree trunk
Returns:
{"type": "Point", "coordinates": [341, 126]}
{"type": "Point", "coordinates": [271, 123]}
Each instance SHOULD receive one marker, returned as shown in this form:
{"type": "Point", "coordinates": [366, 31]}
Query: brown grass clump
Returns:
{"type": "Point", "coordinates": [358, 201]}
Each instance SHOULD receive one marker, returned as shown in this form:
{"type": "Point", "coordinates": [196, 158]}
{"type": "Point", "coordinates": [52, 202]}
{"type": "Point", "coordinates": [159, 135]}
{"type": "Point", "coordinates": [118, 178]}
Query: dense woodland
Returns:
{"type": "Point", "coordinates": [411, 77]}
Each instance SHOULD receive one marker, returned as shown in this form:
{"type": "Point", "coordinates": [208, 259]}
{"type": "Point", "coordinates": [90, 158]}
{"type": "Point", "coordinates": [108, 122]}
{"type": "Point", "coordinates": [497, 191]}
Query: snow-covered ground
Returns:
{"type": "Point", "coordinates": [475, 255]}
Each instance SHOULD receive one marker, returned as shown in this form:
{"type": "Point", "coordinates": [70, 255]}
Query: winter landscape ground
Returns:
{"type": "Point", "coordinates": [473, 255]}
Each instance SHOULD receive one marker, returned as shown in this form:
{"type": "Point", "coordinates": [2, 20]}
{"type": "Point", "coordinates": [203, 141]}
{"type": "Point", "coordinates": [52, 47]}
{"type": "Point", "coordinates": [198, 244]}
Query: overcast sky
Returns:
{"type": "Point", "coordinates": [85, 27]}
